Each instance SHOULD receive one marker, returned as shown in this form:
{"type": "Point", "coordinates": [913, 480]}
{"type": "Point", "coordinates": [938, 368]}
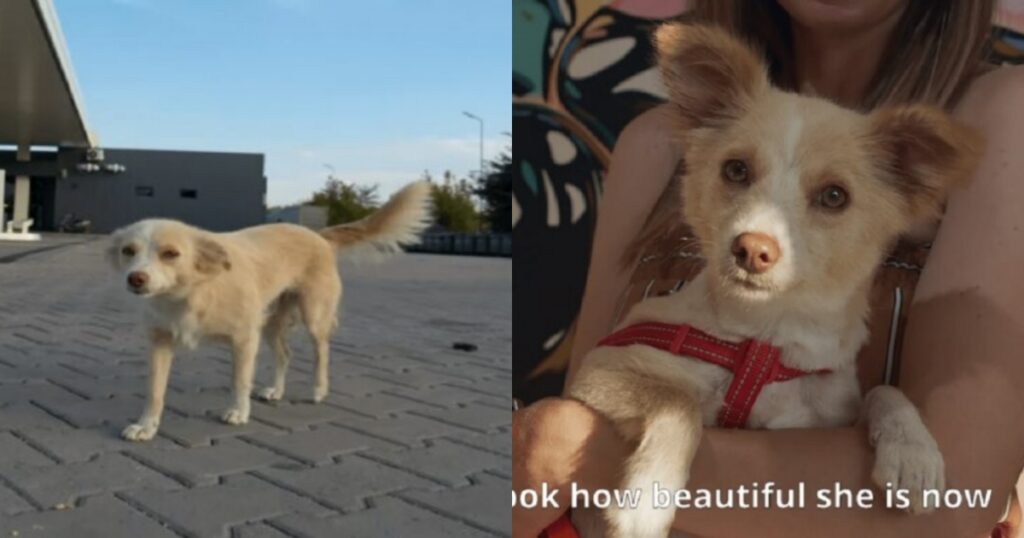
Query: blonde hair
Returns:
{"type": "Point", "coordinates": [936, 49]}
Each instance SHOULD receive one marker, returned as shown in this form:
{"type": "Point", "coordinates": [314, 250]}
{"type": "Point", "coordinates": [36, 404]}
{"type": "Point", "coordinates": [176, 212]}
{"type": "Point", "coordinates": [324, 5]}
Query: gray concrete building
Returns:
{"type": "Point", "coordinates": [310, 216]}
{"type": "Point", "coordinates": [53, 164]}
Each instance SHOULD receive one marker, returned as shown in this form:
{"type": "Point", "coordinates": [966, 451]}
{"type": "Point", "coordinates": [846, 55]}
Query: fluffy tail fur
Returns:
{"type": "Point", "coordinates": [399, 222]}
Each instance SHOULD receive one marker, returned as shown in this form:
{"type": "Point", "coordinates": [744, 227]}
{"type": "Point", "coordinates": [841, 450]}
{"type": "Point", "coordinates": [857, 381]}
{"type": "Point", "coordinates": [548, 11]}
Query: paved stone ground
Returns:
{"type": "Point", "coordinates": [412, 441]}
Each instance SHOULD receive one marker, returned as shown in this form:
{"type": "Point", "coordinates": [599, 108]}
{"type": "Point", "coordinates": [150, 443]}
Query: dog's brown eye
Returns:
{"type": "Point", "coordinates": [170, 254]}
{"type": "Point", "coordinates": [128, 251]}
{"type": "Point", "coordinates": [833, 197]}
{"type": "Point", "coordinates": [735, 171]}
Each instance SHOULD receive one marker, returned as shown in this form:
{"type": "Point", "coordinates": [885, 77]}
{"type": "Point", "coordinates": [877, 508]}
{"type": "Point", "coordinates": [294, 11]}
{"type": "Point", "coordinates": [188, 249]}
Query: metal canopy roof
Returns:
{"type": "Point", "coordinates": [39, 100]}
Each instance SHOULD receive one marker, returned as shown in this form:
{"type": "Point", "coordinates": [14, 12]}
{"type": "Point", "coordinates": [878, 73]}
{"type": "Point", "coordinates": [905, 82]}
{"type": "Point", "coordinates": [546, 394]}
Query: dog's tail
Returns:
{"type": "Point", "coordinates": [398, 222]}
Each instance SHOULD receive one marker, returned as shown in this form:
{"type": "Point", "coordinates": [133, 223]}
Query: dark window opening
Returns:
{"type": "Point", "coordinates": [189, 193]}
{"type": "Point", "coordinates": [144, 190]}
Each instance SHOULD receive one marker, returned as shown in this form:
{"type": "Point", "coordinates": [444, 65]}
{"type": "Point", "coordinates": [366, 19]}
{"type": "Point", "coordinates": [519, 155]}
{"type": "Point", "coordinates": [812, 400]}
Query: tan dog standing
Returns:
{"type": "Point", "coordinates": [233, 286]}
{"type": "Point", "coordinates": [794, 201]}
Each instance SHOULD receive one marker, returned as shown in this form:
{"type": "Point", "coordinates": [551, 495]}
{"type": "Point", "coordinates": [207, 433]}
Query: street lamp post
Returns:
{"type": "Point", "coordinates": [479, 119]}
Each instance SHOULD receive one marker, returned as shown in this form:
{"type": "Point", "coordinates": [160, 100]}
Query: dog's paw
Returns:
{"type": "Point", "coordinates": [270, 394]}
{"type": "Point", "coordinates": [235, 416]}
{"type": "Point", "coordinates": [319, 393]}
{"type": "Point", "coordinates": [140, 431]}
{"type": "Point", "coordinates": [915, 465]}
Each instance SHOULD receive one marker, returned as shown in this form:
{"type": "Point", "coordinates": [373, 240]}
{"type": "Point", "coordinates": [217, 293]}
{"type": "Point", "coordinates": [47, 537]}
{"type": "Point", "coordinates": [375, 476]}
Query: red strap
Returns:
{"type": "Point", "coordinates": [758, 367]}
{"type": "Point", "coordinates": [561, 528]}
{"type": "Point", "coordinates": [754, 363]}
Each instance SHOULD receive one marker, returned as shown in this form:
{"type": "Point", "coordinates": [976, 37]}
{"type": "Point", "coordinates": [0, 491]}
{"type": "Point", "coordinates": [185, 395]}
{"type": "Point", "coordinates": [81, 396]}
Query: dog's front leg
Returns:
{"type": "Point", "coordinates": [245, 348]}
{"type": "Point", "coordinates": [663, 416]}
{"type": "Point", "coordinates": [906, 455]}
{"type": "Point", "coordinates": [159, 368]}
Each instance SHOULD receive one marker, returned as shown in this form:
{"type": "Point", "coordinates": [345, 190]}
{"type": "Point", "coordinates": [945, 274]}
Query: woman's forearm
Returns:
{"type": "Point", "coordinates": [821, 459]}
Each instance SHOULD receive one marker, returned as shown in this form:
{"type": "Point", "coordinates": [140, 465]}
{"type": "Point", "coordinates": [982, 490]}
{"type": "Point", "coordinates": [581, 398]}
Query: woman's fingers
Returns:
{"type": "Point", "coordinates": [557, 443]}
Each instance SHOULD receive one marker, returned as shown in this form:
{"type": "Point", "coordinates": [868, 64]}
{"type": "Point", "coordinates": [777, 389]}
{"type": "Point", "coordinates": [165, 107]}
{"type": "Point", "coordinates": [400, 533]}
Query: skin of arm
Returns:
{"type": "Point", "coordinates": [642, 164]}
{"type": "Point", "coordinates": [962, 358]}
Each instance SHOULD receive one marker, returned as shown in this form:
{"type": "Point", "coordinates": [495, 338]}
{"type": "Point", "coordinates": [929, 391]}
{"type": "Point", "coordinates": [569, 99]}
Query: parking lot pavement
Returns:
{"type": "Point", "coordinates": [413, 439]}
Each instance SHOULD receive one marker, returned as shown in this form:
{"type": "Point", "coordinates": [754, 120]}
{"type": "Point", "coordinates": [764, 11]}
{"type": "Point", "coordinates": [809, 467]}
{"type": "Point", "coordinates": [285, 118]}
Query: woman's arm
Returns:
{"type": "Point", "coordinates": [555, 441]}
{"type": "Point", "coordinates": [642, 164]}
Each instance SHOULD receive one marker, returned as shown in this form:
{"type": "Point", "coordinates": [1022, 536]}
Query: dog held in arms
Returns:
{"type": "Point", "coordinates": [794, 201]}
{"type": "Point", "coordinates": [233, 286]}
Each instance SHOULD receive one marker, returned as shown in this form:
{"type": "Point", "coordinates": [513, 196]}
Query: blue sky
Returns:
{"type": "Point", "coordinates": [375, 88]}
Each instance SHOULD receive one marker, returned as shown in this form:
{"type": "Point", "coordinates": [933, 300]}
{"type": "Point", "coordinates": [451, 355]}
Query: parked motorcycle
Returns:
{"type": "Point", "coordinates": [72, 224]}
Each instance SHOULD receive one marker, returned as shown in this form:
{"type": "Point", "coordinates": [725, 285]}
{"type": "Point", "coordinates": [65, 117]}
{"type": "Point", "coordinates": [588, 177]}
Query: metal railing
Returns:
{"type": "Point", "coordinates": [471, 244]}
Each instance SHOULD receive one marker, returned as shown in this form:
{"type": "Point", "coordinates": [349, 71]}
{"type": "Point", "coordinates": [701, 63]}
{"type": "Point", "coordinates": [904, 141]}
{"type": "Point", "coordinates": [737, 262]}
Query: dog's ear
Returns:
{"type": "Point", "coordinates": [211, 258]}
{"type": "Point", "coordinates": [710, 75]}
{"type": "Point", "coordinates": [926, 153]}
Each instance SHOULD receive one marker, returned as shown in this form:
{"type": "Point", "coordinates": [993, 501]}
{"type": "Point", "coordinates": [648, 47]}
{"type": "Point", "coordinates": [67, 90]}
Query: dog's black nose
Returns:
{"type": "Point", "coordinates": [137, 279]}
{"type": "Point", "coordinates": [756, 252]}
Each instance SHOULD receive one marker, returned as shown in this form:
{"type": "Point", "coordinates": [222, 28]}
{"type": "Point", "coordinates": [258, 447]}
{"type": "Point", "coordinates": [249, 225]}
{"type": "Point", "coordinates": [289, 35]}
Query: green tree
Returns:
{"type": "Point", "coordinates": [495, 190]}
{"type": "Point", "coordinates": [345, 202]}
{"type": "Point", "coordinates": [453, 204]}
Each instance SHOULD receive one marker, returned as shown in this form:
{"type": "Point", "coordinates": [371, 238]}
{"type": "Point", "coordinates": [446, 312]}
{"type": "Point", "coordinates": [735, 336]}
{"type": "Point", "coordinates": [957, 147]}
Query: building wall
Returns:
{"type": "Point", "coordinates": [312, 217]}
{"type": "Point", "coordinates": [216, 191]}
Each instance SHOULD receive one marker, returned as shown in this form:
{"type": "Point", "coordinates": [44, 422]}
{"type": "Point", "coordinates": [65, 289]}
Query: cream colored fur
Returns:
{"type": "Point", "coordinates": [234, 286]}
{"type": "Point", "coordinates": [895, 165]}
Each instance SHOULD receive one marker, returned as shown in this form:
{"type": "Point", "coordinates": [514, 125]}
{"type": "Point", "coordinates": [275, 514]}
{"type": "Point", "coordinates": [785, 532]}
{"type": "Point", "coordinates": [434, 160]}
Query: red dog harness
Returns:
{"type": "Point", "coordinates": [753, 363]}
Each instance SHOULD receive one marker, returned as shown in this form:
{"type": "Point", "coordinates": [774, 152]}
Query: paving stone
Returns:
{"type": "Point", "coordinates": [97, 517]}
{"type": "Point", "coordinates": [288, 415]}
{"type": "Point", "coordinates": [445, 461]}
{"type": "Point", "coordinates": [29, 370]}
{"type": "Point", "coordinates": [484, 503]}
{"type": "Point", "coordinates": [361, 385]}
{"type": "Point", "coordinates": [51, 485]}
{"type": "Point", "coordinates": [20, 416]}
{"type": "Point", "coordinates": [119, 410]}
{"type": "Point", "coordinates": [344, 485]}
{"type": "Point", "coordinates": [422, 377]}
{"type": "Point", "coordinates": [381, 405]}
{"type": "Point", "coordinates": [113, 371]}
{"type": "Point", "coordinates": [200, 403]}
{"type": "Point", "coordinates": [208, 512]}
{"type": "Point", "coordinates": [35, 391]}
{"type": "Point", "coordinates": [409, 430]}
{"type": "Point", "coordinates": [498, 442]}
{"type": "Point", "coordinates": [318, 445]}
{"type": "Point", "coordinates": [496, 386]}
{"type": "Point", "coordinates": [11, 503]}
{"type": "Point", "coordinates": [197, 375]}
{"type": "Point", "coordinates": [480, 417]}
{"type": "Point", "coordinates": [200, 431]}
{"type": "Point", "coordinates": [390, 517]}
{"type": "Point", "coordinates": [99, 389]}
{"type": "Point", "coordinates": [70, 444]}
{"type": "Point", "coordinates": [259, 530]}
{"type": "Point", "coordinates": [201, 466]}
{"type": "Point", "coordinates": [445, 395]}
{"type": "Point", "coordinates": [17, 453]}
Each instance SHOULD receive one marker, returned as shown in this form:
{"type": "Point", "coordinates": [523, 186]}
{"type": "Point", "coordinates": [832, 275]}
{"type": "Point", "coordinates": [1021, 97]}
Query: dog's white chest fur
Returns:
{"type": "Point", "coordinates": [176, 318]}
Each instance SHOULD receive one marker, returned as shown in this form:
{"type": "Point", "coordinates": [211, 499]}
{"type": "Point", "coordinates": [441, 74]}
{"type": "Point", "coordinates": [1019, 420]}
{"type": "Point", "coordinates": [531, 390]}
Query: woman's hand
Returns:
{"type": "Point", "coordinates": [556, 442]}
